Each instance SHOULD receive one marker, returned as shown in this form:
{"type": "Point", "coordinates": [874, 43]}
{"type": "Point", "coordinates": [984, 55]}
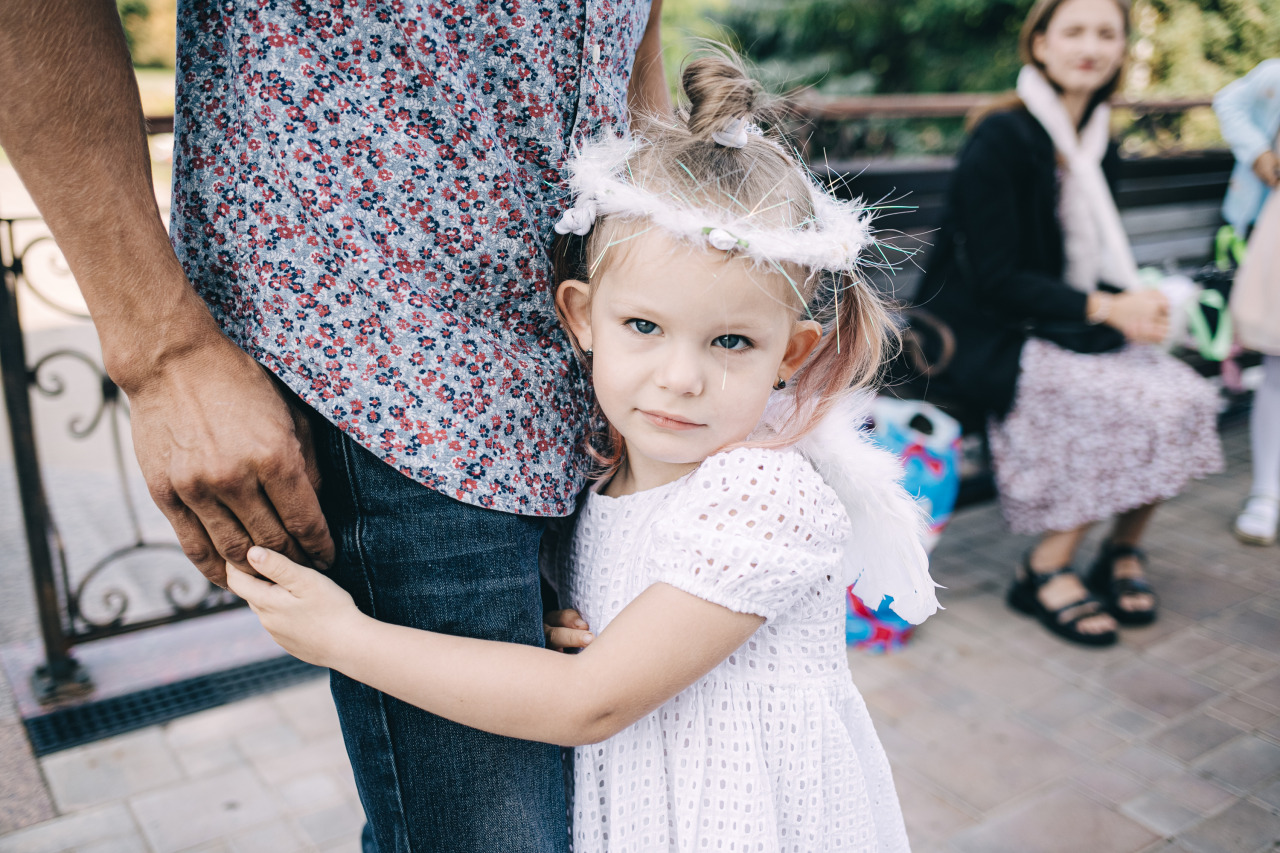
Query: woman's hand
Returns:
{"type": "Point", "coordinates": [310, 616]}
{"type": "Point", "coordinates": [566, 629]}
{"type": "Point", "coordinates": [1142, 316]}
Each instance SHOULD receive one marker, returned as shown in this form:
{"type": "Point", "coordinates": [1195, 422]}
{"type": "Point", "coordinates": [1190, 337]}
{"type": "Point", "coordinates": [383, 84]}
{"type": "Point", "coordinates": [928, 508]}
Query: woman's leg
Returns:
{"type": "Point", "coordinates": [1055, 550]}
{"type": "Point", "coordinates": [1128, 529]}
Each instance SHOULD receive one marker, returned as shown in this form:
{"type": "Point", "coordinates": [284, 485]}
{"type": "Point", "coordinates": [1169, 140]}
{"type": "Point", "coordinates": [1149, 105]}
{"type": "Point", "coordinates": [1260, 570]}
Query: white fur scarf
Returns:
{"type": "Point", "coordinates": [1095, 244]}
{"type": "Point", "coordinates": [885, 554]}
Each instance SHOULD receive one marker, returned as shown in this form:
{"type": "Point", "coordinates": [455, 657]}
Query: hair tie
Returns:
{"type": "Point", "coordinates": [733, 134]}
{"type": "Point", "coordinates": [577, 220]}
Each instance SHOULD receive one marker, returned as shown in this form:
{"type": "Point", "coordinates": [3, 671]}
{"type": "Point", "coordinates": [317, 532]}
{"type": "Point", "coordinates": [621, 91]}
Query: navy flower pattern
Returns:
{"type": "Point", "coordinates": [364, 193]}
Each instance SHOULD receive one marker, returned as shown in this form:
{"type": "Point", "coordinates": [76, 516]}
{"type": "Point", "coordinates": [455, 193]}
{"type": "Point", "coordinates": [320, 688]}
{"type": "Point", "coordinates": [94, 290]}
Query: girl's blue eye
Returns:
{"type": "Point", "coordinates": [731, 342]}
{"type": "Point", "coordinates": [644, 327]}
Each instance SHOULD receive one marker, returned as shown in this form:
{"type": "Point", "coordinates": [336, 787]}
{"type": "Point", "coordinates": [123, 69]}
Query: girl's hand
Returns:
{"type": "Point", "coordinates": [310, 616]}
{"type": "Point", "coordinates": [1141, 315]}
{"type": "Point", "coordinates": [1267, 167]}
{"type": "Point", "coordinates": [566, 629]}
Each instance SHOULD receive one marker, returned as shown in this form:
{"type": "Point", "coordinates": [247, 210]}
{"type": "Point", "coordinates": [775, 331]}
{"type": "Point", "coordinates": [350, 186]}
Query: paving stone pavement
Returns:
{"type": "Point", "coordinates": [1002, 738]}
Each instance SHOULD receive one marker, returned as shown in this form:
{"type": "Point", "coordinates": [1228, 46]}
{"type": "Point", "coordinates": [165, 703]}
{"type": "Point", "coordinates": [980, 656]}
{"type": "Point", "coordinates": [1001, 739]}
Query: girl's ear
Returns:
{"type": "Point", "coordinates": [573, 300]}
{"type": "Point", "coordinates": [804, 337]}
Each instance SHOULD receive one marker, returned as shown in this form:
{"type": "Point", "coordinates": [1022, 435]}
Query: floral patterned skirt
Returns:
{"type": "Point", "coordinates": [1090, 436]}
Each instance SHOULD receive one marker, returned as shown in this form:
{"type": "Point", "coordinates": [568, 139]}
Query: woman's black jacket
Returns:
{"type": "Point", "coordinates": [995, 272]}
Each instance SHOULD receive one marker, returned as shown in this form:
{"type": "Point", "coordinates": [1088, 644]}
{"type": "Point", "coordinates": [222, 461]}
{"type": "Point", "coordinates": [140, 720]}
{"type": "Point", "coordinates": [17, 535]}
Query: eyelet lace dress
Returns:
{"type": "Point", "coordinates": [773, 751]}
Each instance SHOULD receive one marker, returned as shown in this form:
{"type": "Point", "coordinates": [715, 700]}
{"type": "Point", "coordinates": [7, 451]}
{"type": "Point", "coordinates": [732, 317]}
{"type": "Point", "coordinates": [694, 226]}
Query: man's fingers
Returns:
{"type": "Point", "coordinates": [298, 507]}
{"type": "Point", "coordinates": [195, 541]}
{"type": "Point", "coordinates": [265, 528]}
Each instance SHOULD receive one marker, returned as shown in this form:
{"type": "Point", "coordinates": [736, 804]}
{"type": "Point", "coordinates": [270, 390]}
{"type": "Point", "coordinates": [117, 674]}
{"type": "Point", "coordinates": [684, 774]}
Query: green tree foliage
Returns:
{"type": "Point", "coordinates": [1185, 47]}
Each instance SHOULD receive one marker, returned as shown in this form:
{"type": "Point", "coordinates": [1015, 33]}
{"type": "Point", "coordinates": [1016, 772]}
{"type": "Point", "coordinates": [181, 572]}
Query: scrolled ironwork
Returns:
{"type": "Point", "coordinates": [53, 385]}
{"type": "Point", "coordinates": [55, 264]}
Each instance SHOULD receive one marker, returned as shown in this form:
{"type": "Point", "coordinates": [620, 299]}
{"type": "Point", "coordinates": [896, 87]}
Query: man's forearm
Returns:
{"type": "Point", "coordinates": [71, 123]}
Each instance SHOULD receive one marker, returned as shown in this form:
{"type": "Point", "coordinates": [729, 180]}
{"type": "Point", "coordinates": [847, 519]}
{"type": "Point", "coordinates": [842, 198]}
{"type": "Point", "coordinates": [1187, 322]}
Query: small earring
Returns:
{"type": "Point", "coordinates": [589, 354]}
{"type": "Point", "coordinates": [780, 384]}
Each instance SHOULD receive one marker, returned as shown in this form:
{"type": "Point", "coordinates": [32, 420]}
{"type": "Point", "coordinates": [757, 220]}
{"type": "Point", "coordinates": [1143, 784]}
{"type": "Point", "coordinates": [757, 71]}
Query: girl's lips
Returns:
{"type": "Point", "coordinates": [666, 421]}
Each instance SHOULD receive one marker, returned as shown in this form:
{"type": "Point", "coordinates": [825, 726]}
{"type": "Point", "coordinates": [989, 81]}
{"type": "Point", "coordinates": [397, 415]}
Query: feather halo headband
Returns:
{"type": "Point", "coordinates": [831, 240]}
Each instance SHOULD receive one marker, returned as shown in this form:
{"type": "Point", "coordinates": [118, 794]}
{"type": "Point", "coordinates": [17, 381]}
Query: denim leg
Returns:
{"type": "Point", "coordinates": [412, 556]}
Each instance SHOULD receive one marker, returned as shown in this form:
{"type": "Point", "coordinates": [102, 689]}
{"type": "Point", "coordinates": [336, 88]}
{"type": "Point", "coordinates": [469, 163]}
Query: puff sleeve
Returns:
{"type": "Point", "coordinates": [754, 531]}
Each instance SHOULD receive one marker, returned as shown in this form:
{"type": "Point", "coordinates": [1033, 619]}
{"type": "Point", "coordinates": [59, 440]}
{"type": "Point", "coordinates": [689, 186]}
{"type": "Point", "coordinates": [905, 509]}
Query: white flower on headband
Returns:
{"type": "Point", "coordinates": [832, 240]}
{"type": "Point", "coordinates": [577, 220]}
{"type": "Point", "coordinates": [733, 134]}
{"type": "Point", "coordinates": [721, 239]}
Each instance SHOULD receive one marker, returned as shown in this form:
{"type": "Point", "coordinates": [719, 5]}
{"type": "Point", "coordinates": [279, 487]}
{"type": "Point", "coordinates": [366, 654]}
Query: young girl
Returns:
{"type": "Point", "coordinates": [724, 331]}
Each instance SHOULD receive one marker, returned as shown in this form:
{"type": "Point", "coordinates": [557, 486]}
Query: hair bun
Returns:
{"type": "Point", "coordinates": [719, 91]}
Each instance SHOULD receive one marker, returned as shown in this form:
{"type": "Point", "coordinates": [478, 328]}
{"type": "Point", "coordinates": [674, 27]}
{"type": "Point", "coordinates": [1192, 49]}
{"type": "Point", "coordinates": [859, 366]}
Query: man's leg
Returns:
{"type": "Point", "coordinates": [412, 556]}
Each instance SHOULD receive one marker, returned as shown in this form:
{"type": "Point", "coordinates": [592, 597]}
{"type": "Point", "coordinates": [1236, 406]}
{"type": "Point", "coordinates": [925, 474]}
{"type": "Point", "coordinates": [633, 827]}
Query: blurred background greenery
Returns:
{"type": "Point", "coordinates": [1180, 48]}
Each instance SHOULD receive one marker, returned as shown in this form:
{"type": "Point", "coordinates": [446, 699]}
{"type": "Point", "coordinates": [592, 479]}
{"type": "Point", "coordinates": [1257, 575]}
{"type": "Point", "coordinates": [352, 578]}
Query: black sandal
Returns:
{"type": "Point", "coordinates": [1023, 597]}
{"type": "Point", "coordinates": [1103, 583]}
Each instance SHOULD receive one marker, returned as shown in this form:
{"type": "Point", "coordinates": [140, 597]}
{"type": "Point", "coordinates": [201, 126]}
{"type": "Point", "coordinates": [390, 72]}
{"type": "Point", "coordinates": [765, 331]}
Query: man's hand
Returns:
{"type": "Point", "coordinates": [1267, 167]}
{"type": "Point", "coordinates": [228, 460]}
{"type": "Point", "coordinates": [566, 629]}
{"type": "Point", "coordinates": [310, 616]}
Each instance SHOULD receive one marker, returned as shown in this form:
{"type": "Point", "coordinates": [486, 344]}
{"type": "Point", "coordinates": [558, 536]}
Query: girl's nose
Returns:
{"type": "Point", "coordinates": [680, 372]}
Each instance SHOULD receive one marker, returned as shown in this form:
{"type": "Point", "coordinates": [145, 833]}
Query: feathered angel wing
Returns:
{"type": "Point", "coordinates": [885, 555]}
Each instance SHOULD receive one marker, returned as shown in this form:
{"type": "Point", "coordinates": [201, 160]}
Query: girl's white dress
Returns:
{"type": "Point", "coordinates": [772, 751]}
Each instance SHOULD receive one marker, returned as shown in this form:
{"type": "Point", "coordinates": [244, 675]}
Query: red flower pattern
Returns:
{"type": "Point", "coordinates": [363, 194]}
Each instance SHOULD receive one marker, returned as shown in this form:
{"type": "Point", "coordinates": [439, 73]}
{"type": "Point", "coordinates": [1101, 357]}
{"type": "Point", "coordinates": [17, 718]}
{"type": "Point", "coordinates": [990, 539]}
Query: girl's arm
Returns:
{"type": "Point", "coordinates": [1233, 105]}
{"type": "Point", "coordinates": [658, 645]}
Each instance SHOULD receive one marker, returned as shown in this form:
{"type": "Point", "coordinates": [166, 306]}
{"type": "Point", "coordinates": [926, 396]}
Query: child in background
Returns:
{"type": "Point", "coordinates": [1248, 111]}
{"type": "Point", "coordinates": [725, 332]}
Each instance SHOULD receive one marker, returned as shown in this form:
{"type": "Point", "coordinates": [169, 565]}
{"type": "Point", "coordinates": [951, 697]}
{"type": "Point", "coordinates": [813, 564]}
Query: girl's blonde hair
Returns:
{"type": "Point", "coordinates": [680, 159]}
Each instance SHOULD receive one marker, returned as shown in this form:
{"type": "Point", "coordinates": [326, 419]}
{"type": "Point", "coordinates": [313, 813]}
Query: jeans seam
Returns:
{"type": "Point", "coordinates": [357, 536]}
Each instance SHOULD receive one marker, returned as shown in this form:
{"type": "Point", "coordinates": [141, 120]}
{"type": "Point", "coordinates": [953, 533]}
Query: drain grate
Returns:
{"type": "Point", "coordinates": [81, 724]}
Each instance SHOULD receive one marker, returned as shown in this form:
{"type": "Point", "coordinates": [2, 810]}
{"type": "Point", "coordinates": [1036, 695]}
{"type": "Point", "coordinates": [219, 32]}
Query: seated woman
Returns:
{"type": "Point", "coordinates": [1055, 338]}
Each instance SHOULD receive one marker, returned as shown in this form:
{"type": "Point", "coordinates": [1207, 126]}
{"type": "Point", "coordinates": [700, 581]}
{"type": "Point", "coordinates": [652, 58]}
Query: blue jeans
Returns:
{"type": "Point", "coordinates": [412, 556]}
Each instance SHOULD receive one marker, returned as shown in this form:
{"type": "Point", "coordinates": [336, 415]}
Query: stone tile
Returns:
{"type": "Point", "coordinates": [329, 824]}
{"type": "Point", "coordinates": [205, 757]}
{"type": "Point", "coordinates": [1158, 689]}
{"type": "Point", "coordinates": [24, 799]}
{"type": "Point", "coordinates": [995, 762]}
{"type": "Point", "coordinates": [1058, 821]}
{"type": "Point", "coordinates": [1270, 795]}
{"type": "Point", "coordinates": [92, 826]}
{"type": "Point", "coordinates": [1127, 722]}
{"type": "Point", "coordinates": [1108, 784]}
{"type": "Point", "coordinates": [1267, 693]}
{"type": "Point", "coordinates": [1187, 648]}
{"type": "Point", "coordinates": [1196, 793]}
{"type": "Point", "coordinates": [1160, 814]}
{"type": "Point", "coordinates": [1243, 828]}
{"type": "Point", "coordinates": [1061, 708]}
{"type": "Point", "coordinates": [1243, 763]}
{"type": "Point", "coordinates": [1192, 597]}
{"type": "Point", "coordinates": [309, 708]}
{"type": "Point", "coordinates": [351, 844]}
{"type": "Point", "coordinates": [311, 792]}
{"type": "Point", "coordinates": [1091, 737]}
{"type": "Point", "coordinates": [110, 770]}
{"type": "Point", "coordinates": [1245, 714]}
{"type": "Point", "coordinates": [1192, 738]}
{"type": "Point", "coordinates": [280, 836]}
{"type": "Point", "coordinates": [127, 844]}
{"type": "Point", "coordinates": [269, 740]}
{"type": "Point", "coordinates": [327, 754]}
{"type": "Point", "coordinates": [929, 818]}
{"type": "Point", "coordinates": [203, 811]}
{"type": "Point", "coordinates": [221, 723]}
{"type": "Point", "coordinates": [1250, 627]}
{"type": "Point", "coordinates": [1146, 763]}
{"type": "Point", "coordinates": [1002, 677]}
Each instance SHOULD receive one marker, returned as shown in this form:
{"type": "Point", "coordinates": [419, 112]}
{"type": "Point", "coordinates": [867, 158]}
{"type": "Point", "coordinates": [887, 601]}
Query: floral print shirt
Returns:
{"type": "Point", "coordinates": [364, 193]}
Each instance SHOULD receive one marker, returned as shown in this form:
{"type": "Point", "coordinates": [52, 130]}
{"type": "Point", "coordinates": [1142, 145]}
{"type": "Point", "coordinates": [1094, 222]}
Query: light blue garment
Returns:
{"type": "Point", "coordinates": [1249, 114]}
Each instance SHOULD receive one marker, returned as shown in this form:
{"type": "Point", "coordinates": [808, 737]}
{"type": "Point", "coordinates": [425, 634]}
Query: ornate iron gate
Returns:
{"type": "Point", "coordinates": [62, 591]}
